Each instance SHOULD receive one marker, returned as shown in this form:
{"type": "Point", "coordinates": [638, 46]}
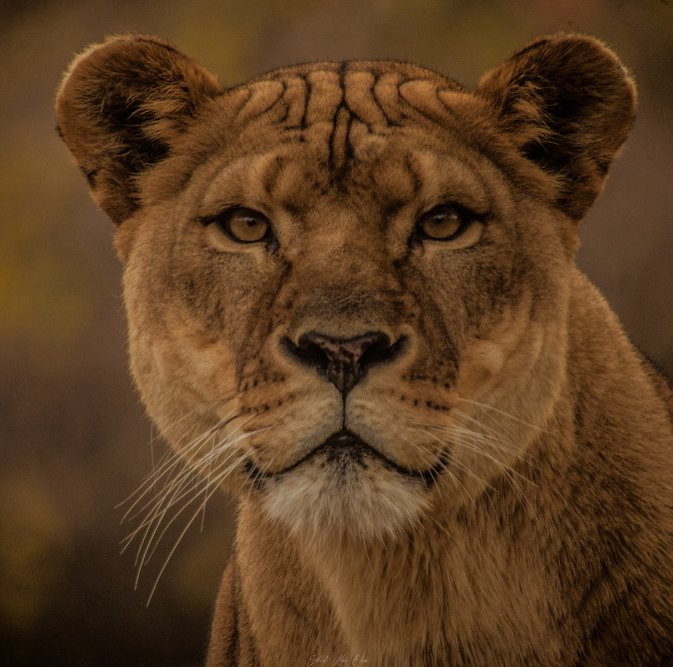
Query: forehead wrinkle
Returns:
{"type": "Point", "coordinates": [298, 186]}
{"type": "Point", "coordinates": [294, 175]}
{"type": "Point", "coordinates": [325, 95]}
{"type": "Point", "coordinates": [360, 99]}
{"type": "Point", "coordinates": [268, 171]}
{"type": "Point", "coordinates": [296, 97]}
{"type": "Point", "coordinates": [448, 175]}
{"type": "Point", "coordinates": [264, 95]}
{"type": "Point", "coordinates": [242, 181]}
{"type": "Point", "coordinates": [395, 183]}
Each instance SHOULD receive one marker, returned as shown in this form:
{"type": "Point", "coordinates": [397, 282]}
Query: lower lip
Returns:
{"type": "Point", "coordinates": [345, 447]}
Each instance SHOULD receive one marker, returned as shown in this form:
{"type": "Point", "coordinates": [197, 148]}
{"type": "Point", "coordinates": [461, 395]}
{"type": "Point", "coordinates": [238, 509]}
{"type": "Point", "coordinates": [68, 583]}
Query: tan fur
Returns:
{"type": "Point", "coordinates": [544, 535]}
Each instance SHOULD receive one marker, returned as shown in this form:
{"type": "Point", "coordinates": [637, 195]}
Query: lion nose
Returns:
{"type": "Point", "coordinates": [344, 361]}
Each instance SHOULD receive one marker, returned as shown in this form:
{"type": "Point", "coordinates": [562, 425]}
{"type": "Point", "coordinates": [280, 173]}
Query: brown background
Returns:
{"type": "Point", "coordinates": [73, 439]}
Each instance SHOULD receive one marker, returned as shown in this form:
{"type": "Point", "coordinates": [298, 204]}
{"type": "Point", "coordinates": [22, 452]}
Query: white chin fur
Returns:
{"type": "Point", "coordinates": [316, 502]}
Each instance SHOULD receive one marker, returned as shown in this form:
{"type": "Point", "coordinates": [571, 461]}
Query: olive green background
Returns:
{"type": "Point", "coordinates": [73, 438]}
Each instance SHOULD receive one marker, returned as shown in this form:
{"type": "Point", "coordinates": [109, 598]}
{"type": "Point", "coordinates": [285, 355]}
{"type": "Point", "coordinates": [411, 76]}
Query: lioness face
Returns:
{"type": "Point", "coordinates": [346, 286]}
{"type": "Point", "coordinates": [343, 315]}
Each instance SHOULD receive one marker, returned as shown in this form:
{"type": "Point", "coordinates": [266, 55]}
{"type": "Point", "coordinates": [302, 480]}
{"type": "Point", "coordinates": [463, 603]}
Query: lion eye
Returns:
{"type": "Point", "coordinates": [243, 225]}
{"type": "Point", "coordinates": [444, 223]}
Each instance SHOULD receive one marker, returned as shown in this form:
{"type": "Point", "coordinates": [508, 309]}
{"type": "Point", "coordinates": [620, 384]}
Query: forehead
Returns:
{"type": "Point", "coordinates": [337, 104]}
{"type": "Point", "coordinates": [343, 127]}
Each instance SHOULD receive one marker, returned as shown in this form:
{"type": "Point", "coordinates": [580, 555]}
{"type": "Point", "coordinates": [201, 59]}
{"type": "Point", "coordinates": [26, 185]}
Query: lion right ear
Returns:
{"type": "Point", "coordinates": [121, 105]}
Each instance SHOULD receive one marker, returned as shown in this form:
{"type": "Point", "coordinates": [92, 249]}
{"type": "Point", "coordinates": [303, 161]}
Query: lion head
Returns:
{"type": "Point", "coordinates": [347, 284]}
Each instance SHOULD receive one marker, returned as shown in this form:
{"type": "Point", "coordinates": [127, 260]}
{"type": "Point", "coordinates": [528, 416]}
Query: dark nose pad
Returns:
{"type": "Point", "coordinates": [344, 361]}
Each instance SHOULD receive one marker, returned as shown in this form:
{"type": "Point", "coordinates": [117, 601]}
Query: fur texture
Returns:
{"type": "Point", "coordinates": [445, 448]}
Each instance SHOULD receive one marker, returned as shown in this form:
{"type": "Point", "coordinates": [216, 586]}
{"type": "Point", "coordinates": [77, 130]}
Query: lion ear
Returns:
{"type": "Point", "coordinates": [121, 105]}
{"type": "Point", "coordinates": [568, 104]}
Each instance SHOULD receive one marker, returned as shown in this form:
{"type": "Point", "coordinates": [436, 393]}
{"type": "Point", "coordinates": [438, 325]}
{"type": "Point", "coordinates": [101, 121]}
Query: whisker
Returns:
{"type": "Point", "coordinates": [145, 548]}
{"type": "Point", "coordinates": [172, 459]}
{"type": "Point", "coordinates": [490, 430]}
{"type": "Point", "coordinates": [186, 528]}
{"type": "Point", "coordinates": [208, 478]}
{"type": "Point", "coordinates": [456, 462]}
{"type": "Point", "coordinates": [427, 459]}
{"type": "Point", "coordinates": [173, 493]}
{"type": "Point", "coordinates": [168, 460]}
{"type": "Point", "coordinates": [476, 446]}
{"type": "Point", "coordinates": [503, 413]}
{"type": "Point", "coordinates": [502, 443]}
{"type": "Point", "coordinates": [188, 487]}
{"type": "Point", "coordinates": [474, 442]}
{"type": "Point", "coordinates": [193, 494]}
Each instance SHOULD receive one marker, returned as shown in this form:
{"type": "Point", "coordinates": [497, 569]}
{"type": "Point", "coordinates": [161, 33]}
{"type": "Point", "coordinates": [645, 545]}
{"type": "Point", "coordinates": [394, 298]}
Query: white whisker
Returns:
{"type": "Point", "coordinates": [502, 413]}
{"type": "Point", "coordinates": [168, 462]}
{"type": "Point", "coordinates": [214, 488]}
{"type": "Point", "coordinates": [454, 461]}
{"type": "Point", "coordinates": [206, 462]}
{"type": "Point", "coordinates": [195, 472]}
{"type": "Point", "coordinates": [172, 494]}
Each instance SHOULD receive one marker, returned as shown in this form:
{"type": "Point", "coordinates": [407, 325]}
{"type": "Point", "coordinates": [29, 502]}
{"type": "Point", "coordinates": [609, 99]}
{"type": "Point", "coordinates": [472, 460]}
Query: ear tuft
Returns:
{"type": "Point", "coordinates": [120, 107]}
{"type": "Point", "coordinates": [568, 104]}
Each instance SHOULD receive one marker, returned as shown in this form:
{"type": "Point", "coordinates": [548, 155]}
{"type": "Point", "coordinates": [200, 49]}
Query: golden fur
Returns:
{"type": "Point", "coordinates": [501, 488]}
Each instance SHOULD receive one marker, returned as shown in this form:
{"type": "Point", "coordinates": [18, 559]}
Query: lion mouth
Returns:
{"type": "Point", "coordinates": [345, 449]}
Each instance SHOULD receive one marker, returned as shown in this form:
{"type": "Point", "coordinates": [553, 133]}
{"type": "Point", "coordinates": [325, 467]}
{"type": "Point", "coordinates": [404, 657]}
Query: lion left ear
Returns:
{"type": "Point", "coordinates": [121, 106]}
{"type": "Point", "coordinates": [568, 104]}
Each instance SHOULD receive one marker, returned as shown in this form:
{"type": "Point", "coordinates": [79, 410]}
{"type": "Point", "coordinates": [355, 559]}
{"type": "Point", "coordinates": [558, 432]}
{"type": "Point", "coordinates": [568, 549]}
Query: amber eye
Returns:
{"type": "Point", "coordinates": [243, 225]}
{"type": "Point", "coordinates": [444, 223]}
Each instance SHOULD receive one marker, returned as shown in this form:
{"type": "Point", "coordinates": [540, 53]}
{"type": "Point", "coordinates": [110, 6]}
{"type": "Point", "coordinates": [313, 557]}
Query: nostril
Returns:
{"type": "Point", "coordinates": [344, 361]}
{"type": "Point", "coordinates": [306, 351]}
{"type": "Point", "coordinates": [382, 351]}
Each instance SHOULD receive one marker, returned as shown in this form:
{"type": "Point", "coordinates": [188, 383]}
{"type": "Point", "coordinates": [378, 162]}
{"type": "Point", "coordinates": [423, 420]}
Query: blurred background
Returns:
{"type": "Point", "coordinates": [73, 439]}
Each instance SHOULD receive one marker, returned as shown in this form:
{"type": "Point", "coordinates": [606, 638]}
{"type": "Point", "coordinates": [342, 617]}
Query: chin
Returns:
{"type": "Point", "coordinates": [344, 500]}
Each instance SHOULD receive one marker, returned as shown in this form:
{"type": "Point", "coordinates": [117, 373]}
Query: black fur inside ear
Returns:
{"type": "Point", "coordinates": [119, 108]}
{"type": "Point", "coordinates": [568, 104]}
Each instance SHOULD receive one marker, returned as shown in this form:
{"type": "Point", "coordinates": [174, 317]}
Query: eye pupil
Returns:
{"type": "Point", "coordinates": [443, 223]}
{"type": "Point", "coordinates": [244, 225]}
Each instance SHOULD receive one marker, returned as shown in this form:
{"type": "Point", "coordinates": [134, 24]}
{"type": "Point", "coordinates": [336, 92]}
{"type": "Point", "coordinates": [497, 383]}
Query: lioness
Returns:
{"type": "Point", "coordinates": [352, 302]}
